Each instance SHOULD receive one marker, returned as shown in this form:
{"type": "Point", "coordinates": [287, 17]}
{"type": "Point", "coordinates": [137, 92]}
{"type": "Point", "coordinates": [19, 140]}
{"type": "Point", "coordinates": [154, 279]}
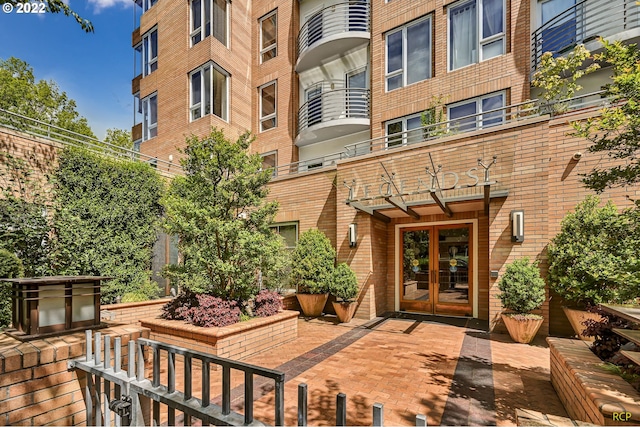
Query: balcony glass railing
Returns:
{"type": "Point", "coordinates": [336, 104]}
{"type": "Point", "coordinates": [585, 21]}
{"type": "Point", "coordinates": [336, 19]}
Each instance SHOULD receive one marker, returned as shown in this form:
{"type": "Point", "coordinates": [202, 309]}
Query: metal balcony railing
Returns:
{"type": "Point", "coordinates": [585, 21]}
{"type": "Point", "coordinates": [336, 19]}
{"type": "Point", "coordinates": [431, 132]}
{"type": "Point", "coordinates": [335, 104]}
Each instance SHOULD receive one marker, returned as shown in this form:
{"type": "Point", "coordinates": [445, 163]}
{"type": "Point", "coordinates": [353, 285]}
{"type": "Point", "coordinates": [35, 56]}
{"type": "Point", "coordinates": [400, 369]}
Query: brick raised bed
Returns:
{"type": "Point", "coordinates": [237, 341]}
{"type": "Point", "coordinates": [588, 391]}
{"type": "Point", "coordinates": [132, 312]}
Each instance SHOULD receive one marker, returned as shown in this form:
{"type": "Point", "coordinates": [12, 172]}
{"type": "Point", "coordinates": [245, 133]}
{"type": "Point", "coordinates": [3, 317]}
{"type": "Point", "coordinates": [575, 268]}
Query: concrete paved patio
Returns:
{"type": "Point", "coordinates": [443, 368]}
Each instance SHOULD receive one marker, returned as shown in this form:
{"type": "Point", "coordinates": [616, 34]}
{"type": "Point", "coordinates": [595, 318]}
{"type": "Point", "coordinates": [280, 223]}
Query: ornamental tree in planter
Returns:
{"type": "Point", "coordinates": [312, 262]}
{"type": "Point", "coordinates": [594, 257]}
{"type": "Point", "coordinates": [344, 286]}
{"type": "Point", "coordinates": [522, 291]}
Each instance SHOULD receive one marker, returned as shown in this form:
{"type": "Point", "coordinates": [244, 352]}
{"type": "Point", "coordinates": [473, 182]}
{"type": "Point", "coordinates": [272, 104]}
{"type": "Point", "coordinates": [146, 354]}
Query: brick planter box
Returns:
{"type": "Point", "coordinates": [587, 391]}
{"type": "Point", "coordinates": [237, 341]}
{"type": "Point", "coordinates": [132, 312]}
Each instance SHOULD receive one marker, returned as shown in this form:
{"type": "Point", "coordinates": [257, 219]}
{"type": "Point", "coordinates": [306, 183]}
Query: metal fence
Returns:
{"type": "Point", "coordinates": [336, 104]}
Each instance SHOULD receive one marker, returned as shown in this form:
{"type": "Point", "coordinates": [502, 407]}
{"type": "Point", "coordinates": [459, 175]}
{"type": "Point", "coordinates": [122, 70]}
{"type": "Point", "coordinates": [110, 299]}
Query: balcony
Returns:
{"type": "Point", "coordinates": [332, 114]}
{"type": "Point", "coordinates": [583, 23]}
{"type": "Point", "coordinates": [331, 32]}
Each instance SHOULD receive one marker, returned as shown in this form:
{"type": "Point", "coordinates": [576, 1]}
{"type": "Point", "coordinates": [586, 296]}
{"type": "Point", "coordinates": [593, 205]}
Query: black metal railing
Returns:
{"type": "Point", "coordinates": [585, 21]}
{"type": "Point", "coordinates": [336, 19]}
{"type": "Point", "coordinates": [332, 105]}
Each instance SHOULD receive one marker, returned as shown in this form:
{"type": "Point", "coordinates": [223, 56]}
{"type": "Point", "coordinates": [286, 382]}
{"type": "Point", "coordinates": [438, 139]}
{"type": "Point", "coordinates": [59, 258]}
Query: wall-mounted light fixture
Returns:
{"type": "Point", "coordinates": [353, 235]}
{"type": "Point", "coordinates": [517, 226]}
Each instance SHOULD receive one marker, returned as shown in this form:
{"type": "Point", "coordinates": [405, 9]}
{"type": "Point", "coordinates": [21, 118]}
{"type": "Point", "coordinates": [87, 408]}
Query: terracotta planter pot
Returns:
{"type": "Point", "coordinates": [576, 317]}
{"type": "Point", "coordinates": [522, 330]}
{"type": "Point", "coordinates": [344, 311]}
{"type": "Point", "coordinates": [312, 304]}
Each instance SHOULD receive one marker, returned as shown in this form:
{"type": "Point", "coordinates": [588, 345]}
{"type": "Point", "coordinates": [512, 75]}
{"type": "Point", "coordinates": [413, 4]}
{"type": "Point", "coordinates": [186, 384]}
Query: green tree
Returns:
{"type": "Point", "coordinates": [105, 221]}
{"type": "Point", "coordinates": [219, 212]}
{"type": "Point", "coordinates": [313, 262]}
{"type": "Point", "coordinates": [119, 138]}
{"type": "Point", "coordinates": [40, 100]}
{"type": "Point", "coordinates": [10, 267]}
{"type": "Point", "coordinates": [594, 258]}
{"type": "Point", "coordinates": [58, 6]}
{"type": "Point", "coordinates": [616, 131]}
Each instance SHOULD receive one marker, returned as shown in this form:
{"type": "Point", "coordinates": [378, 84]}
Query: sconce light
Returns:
{"type": "Point", "coordinates": [170, 158]}
{"type": "Point", "coordinates": [353, 235]}
{"type": "Point", "coordinates": [517, 226]}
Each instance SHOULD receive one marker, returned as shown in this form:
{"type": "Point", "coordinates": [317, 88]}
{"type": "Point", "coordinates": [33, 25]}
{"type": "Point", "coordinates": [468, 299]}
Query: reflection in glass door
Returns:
{"type": "Point", "coordinates": [436, 273]}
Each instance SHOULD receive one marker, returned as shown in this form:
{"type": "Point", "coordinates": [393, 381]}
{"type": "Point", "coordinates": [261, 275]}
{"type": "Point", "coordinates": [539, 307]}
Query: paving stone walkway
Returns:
{"type": "Point", "coordinates": [447, 369]}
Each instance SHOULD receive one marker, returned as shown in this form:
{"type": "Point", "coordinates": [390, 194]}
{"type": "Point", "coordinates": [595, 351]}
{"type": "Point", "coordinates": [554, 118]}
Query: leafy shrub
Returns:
{"type": "Point", "coordinates": [313, 260]}
{"type": "Point", "coordinates": [107, 211]}
{"type": "Point", "coordinates": [522, 287]}
{"type": "Point", "coordinates": [201, 310]}
{"type": "Point", "coordinates": [267, 303]}
{"type": "Point", "coordinates": [10, 267]}
{"type": "Point", "coordinates": [606, 343]}
{"type": "Point", "coordinates": [594, 257]}
{"type": "Point", "coordinates": [344, 285]}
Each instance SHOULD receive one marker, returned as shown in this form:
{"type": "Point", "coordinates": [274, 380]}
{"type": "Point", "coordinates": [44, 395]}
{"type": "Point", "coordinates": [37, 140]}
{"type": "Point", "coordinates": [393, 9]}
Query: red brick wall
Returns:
{"type": "Point", "coordinates": [36, 388]}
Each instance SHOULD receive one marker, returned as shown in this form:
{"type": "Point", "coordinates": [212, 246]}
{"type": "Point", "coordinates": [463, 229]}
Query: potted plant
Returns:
{"type": "Point", "coordinates": [522, 290]}
{"type": "Point", "coordinates": [591, 260]}
{"type": "Point", "coordinates": [344, 287]}
{"type": "Point", "coordinates": [312, 262]}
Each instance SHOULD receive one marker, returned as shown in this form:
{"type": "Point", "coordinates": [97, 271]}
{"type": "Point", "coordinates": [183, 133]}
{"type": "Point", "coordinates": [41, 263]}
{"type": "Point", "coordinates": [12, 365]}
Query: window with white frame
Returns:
{"type": "Point", "coordinates": [208, 17]}
{"type": "Point", "coordinates": [150, 52]}
{"type": "Point", "coordinates": [270, 161]}
{"type": "Point", "coordinates": [269, 36]}
{"type": "Point", "coordinates": [268, 112]}
{"type": "Point", "coordinates": [209, 91]}
{"type": "Point", "coordinates": [146, 4]}
{"type": "Point", "coordinates": [405, 130]}
{"type": "Point", "coordinates": [476, 31]}
{"type": "Point", "coordinates": [289, 232]}
{"type": "Point", "coordinates": [150, 117]}
{"type": "Point", "coordinates": [477, 113]}
{"type": "Point", "coordinates": [408, 54]}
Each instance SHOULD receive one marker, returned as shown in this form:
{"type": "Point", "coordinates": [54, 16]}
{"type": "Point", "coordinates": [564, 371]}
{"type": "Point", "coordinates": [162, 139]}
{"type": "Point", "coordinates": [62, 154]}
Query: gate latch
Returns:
{"type": "Point", "coordinates": [122, 406]}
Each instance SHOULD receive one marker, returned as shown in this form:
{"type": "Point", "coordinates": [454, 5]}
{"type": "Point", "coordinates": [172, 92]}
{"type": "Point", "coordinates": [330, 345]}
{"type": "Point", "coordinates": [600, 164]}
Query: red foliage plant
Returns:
{"type": "Point", "coordinates": [201, 310]}
{"type": "Point", "coordinates": [267, 303]}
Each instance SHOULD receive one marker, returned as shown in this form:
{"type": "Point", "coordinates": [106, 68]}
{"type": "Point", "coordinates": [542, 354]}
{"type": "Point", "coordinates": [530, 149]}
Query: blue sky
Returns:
{"type": "Point", "coordinates": [95, 69]}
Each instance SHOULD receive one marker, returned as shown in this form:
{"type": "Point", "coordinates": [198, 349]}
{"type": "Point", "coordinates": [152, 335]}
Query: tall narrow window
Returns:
{"type": "Point", "coordinates": [269, 36]}
{"type": "Point", "coordinates": [270, 161]}
{"type": "Point", "coordinates": [209, 91]}
{"type": "Point", "coordinates": [268, 112]}
{"type": "Point", "coordinates": [476, 31]}
{"type": "Point", "coordinates": [150, 117]}
{"type": "Point", "coordinates": [408, 54]}
{"type": "Point", "coordinates": [150, 52]}
{"type": "Point", "coordinates": [208, 17]}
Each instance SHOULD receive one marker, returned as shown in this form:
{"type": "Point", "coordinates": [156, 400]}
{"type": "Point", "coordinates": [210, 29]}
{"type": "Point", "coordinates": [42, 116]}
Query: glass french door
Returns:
{"type": "Point", "coordinates": [436, 275]}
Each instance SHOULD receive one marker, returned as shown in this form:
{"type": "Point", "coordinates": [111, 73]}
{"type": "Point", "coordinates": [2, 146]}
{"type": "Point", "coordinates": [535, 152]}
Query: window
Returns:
{"type": "Point", "coordinates": [137, 60]}
{"type": "Point", "coordinates": [269, 36]}
{"type": "Point", "coordinates": [146, 4]}
{"type": "Point", "coordinates": [268, 99]}
{"type": "Point", "coordinates": [408, 54]}
{"type": "Point", "coordinates": [137, 109]}
{"type": "Point", "coordinates": [208, 17]}
{"type": "Point", "coordinates": [270, 161]}
{"type": "Point", "coordinates": [406, 130]}
{"type": "Point", "coordinates": [476, 31]}
{"type": "Point", "coordinates": [150, 117]}
{"type": "Point", "coordinates": [473, 107]}
{"type": "Point", "coordinates": [150, 52]}
{"type": "Point", "coordinates": [209, 92]}
{"type": "Point", "coordinates": [561, 30]}
{"type": "Point", "coordinates": [289, 231]}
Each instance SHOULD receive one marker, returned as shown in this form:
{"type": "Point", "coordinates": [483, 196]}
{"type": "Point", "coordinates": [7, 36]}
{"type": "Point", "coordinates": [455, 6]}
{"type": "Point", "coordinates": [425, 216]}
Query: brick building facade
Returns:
{"type": "Point", "coordinates": [342, 97]}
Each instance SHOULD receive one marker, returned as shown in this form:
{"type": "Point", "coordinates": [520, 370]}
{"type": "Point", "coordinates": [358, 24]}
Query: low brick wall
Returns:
{"type": "Point", "coordinates": [587, 391]}
{"type": "Point", "coordinates": [132, 312]}
{"type": "Point", "coordinates": [237, 341]}
{"type": "Point", "coordinates": [36, 388]}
